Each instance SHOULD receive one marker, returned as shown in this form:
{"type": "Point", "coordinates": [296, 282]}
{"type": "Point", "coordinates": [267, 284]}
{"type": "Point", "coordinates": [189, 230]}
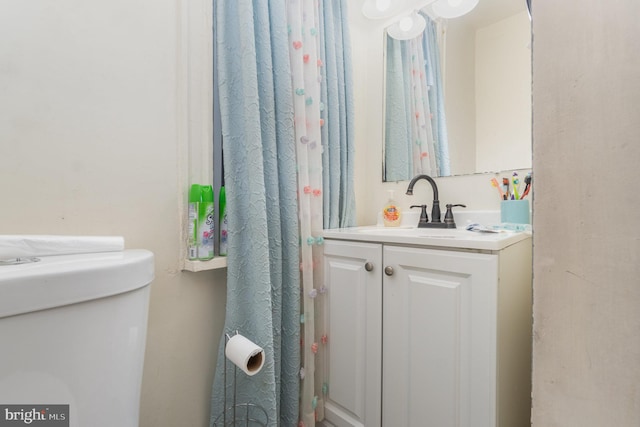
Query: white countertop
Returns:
{"type": "Point", "coordinates": [457, 238]}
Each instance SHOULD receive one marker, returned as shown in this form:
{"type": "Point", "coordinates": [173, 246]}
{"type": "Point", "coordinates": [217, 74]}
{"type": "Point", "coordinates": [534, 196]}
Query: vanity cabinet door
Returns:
{"type": "Point", "coordinates": [439, 346]}
{"type": "Point", "coordinates": [353, 276]}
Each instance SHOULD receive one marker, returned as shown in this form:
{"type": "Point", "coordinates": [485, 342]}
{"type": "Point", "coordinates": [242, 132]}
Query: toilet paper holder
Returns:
{"type": "Point", "coordinates": [240, 414]}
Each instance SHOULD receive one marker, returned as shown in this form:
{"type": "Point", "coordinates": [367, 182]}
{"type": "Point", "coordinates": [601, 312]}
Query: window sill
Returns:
{"type": "Point", "coordinates": [212, 264]}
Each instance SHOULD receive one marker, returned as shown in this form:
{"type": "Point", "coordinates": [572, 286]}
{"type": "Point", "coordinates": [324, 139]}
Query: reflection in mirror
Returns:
{"type": "Point", "coordinates": [415, 127]}
{"type": "Point", "coordinates": [484, 122]}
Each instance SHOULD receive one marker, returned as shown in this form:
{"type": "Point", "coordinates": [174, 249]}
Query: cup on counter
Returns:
{"type": "Point", "coordinates": [515, 212]}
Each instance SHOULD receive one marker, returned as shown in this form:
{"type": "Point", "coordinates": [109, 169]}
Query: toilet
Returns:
{"type": "Point", "coordinates": [73, 329]}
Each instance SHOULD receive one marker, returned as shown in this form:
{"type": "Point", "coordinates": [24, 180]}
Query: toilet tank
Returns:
{"type": "Point", "coordinates": [73, 331]}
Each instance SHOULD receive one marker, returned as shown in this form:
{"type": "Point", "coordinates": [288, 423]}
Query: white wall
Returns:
{"type": "Point", "coordinates": [459, 79]}
{"type": "Point", "coordinates": [91, 137]}
{"type": "Point", "coordinates": [503, 94]}
{"type": "Point", "coordinates": [586, 349]}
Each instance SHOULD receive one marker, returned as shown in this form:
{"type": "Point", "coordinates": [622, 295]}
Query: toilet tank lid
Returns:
{"type": "Point", "coordinates": [24, 245]}
{"type": "Point", "coordinates": [55, 281]}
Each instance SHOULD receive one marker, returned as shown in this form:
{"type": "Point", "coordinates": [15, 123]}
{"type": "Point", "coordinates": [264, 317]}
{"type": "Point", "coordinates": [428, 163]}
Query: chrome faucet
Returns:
{"type": "Point", "coordinates": [435, 208]}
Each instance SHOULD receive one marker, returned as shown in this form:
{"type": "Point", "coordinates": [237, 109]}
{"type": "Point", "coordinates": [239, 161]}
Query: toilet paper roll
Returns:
{"type": "Point", "coordinates": [245, 354]}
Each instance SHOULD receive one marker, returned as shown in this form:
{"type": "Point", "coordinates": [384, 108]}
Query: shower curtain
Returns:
{"type": "Point", "coordinates": [287, 114]}
{"type": "Point", "coordinates": [323, 105]}
{"type": "Point", "coordinates": [263, 273]}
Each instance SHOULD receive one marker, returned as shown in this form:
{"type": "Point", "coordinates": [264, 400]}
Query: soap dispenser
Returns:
{"type": "Point", "coordinates": [391, 214]}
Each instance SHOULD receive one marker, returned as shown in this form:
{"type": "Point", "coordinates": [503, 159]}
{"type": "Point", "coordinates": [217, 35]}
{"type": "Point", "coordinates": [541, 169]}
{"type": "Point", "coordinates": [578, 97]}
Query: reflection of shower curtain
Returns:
{"type": "Point", "coordinates": [431, 51]}
{"type": "Point", "coordinates": [415, 127]}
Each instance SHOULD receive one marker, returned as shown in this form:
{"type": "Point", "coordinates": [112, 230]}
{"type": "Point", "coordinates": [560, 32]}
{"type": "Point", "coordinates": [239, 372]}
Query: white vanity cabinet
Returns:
{"type": "Point", "coordinates": [428, 336]}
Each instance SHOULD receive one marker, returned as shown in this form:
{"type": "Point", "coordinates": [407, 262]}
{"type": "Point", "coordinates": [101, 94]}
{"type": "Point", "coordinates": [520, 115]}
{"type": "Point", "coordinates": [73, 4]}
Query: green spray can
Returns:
{"type": "Point", "coordinates": [195, 194]}
{"type": "Point", "coordinates": [222, 206]}
{"type": "Point", "coordinates": [206, 224]}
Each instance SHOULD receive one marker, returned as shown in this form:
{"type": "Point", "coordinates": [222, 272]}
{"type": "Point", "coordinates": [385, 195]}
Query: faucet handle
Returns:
{"type": "Point", "coordinates": [448, 216]}
{"type": "Point", "coordinates": [424, 218]}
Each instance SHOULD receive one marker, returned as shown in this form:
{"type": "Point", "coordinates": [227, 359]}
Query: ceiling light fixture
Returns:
{"type": "Point", "coordinates": [453, 8]}
{"type": "Point", "coordinates": [379, 9]}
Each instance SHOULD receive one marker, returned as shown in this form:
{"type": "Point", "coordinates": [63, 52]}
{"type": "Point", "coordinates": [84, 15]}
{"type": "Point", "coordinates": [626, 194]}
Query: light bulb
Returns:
{"type": "Point", "coordinates": [408, 27]}
{"type": "Point", "coordinates": [453, 8]}
{"type": "Point", "coordinates": [406, 23]}
{"type": "Point", "coordinates": [383, 5]}
{"type": "Point", "coordinates": [380, 9]}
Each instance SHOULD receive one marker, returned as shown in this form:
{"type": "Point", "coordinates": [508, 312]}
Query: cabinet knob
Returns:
{"type": "Point", "coordinates": [368, 266]}
{"type": "Point", "coordinates": [388, 271]}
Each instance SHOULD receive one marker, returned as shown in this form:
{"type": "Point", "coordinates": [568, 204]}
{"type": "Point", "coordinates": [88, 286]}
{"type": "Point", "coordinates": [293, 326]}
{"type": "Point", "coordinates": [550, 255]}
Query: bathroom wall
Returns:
{"type": "Point", "coordinates": [586, 349]}
{"type": "Point", "coordinates": [460, 87]}
{"type": "Point", "coordinates": [92, 125]}
{"type": "Point", "coordinates": [503, 94]}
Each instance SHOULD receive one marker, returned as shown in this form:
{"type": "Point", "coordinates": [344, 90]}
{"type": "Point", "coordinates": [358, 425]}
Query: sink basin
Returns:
{"type": "Point", "coordinates": [457, 238]}
{"type": "Point", "coordinates": [448, 233]}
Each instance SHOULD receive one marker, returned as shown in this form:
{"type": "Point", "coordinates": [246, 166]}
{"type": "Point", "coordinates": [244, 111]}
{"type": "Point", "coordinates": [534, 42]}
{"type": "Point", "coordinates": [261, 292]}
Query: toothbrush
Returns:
{"type": "Point", "coordinates": [527, 188]}
{"type": "Point", "coordinates": [505, 188]}
{"type": "Point", "coordinates": [494, 182]}
{"type": "Point", "coordinates": [515, 181]}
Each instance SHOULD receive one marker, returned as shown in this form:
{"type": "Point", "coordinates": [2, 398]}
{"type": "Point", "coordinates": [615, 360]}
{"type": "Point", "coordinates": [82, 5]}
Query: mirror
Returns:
{"type": "Point", "coordinates": [485, 68]}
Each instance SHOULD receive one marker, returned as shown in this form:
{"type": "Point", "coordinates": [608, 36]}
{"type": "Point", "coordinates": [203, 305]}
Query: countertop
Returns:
{"type": "Point", "coordinates": [456, 238]}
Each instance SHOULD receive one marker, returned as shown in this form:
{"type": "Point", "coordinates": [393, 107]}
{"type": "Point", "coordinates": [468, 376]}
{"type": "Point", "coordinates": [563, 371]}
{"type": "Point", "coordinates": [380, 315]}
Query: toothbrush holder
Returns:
{"type": "Point", "coordinates": [515, 212]}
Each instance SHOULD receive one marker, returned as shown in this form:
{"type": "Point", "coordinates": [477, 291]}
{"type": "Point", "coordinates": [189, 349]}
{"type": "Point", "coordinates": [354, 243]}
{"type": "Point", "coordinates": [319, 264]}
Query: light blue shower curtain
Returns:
{"type": "Point", "coordinates": [267, 145]}
{"type": "Point", "coordinates": [263, 276]}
